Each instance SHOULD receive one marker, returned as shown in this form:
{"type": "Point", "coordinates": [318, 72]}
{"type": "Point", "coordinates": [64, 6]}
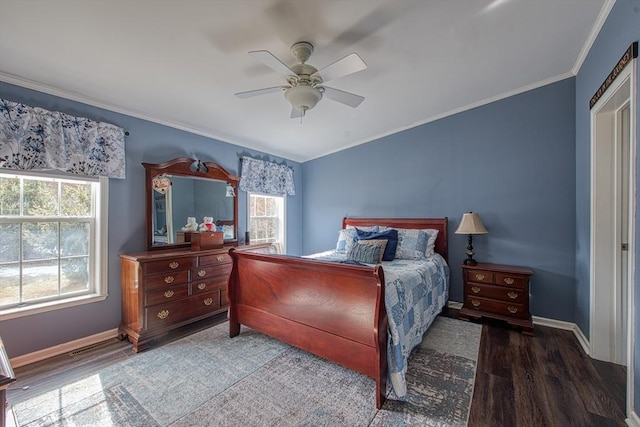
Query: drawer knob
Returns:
{"type": "Point", "coordinates": [508, 280]}
{"type": "Point", "coordinates": [169, 279]}
{"type": "Point", "coordinates": [479, 276]}
{"type": "Point", "coordinates": [163, 314]}
{"type": "Point", "coordinates": [475, 289]}
{"type": "Point", "coordinates": [208, 301]}
{"type": "Point", "coordinates": [512, 309]}
{"type": "Point", "coordinates": [202, 286]}
{"type": "Point", "coordinates": [168, 294]}
{"type": "Point", "coordinates": [512, 295]}
{"type": "Point", "coordinates": [220, 258]}
{"type": "Point", "coordinates": [202, 273]}
{"type": "Point", "coordinates": [173, 265]}
{"type": "Point", "coordinates": [475, 303]}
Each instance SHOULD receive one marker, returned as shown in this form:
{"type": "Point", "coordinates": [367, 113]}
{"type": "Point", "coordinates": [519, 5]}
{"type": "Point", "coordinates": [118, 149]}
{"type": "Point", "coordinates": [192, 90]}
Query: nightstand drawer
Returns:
{"type": "Point", "coordinates": [510, 280]}
{"type": "Point", "coordinates": [494, 292]}
{"type": "Point", "coordinates": [479, 276]}
{"type": "Point", "coordinates": [497, 307]}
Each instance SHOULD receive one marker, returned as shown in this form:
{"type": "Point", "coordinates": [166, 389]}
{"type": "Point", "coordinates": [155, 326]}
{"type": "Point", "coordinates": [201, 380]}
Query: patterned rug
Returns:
{"type": "Point", "coordinates": [208, 379]}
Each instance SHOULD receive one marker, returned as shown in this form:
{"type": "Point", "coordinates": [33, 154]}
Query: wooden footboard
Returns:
{"type": "Point", "coordinates": [333, 310]}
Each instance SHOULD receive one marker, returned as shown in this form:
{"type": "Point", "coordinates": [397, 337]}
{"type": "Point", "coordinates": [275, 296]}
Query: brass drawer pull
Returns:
{"type": "Point", "coordinates": [173, 265]}
{"type": "Point", "coordinates": [479, 276]}
{"type": "Point", "coordinates": [220, 258]}
{"type": "Point", "coordinates": [202, 273]}
{"type": "Point", "coordinates": [208, 301]}
{"type": "Point", "coordinates": [475, 303]}
{"type": "Point", "coordinates": [168, 294]}
{"type": "Point", "coordinates": [169, 279]}
{"type": "Point", "coordinates": [475, 289]}
{"type": "Point", "coordinates": [512, 295]}
{"type": "Point", "coordinates": [512, 309]}
{"type": "Point", "coordinates": [508, 280]}
{"type": "Point", "coordinates": [163, 314]}
{"type": "Point", "coordinates": [202, 286]}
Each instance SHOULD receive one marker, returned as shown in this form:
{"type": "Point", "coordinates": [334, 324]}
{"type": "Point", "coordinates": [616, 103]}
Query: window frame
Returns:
{"type": "Point", "coordinates": [98, 253]}
{"type": "Point", "coordinates": [283, 221]}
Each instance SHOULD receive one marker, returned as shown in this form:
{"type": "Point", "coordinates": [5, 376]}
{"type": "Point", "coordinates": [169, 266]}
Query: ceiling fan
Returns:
{"type": "Point", "coordinates": [306, 87]}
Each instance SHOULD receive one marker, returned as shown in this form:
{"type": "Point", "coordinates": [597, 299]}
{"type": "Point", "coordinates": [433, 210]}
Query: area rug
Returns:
{"type": "Point", "coordinates": [208, 379]}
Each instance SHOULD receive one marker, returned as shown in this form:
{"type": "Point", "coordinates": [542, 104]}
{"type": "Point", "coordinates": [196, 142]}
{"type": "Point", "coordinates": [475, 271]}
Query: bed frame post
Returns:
{"type": "Point", "coordinates": [234, 325]}
{"type": "Point", "coordinates": [381, 333]}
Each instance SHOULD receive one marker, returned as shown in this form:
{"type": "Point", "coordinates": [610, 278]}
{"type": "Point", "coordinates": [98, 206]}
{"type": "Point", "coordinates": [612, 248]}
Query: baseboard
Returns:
{"type": "Point", "coordinates": [568, 326]}
{"type": "Point", "coordinates": [56, 350]}
{"type": "Point", "coordinates": [633, 420]}
{"type": "Point", "coordinates": [454, 304]}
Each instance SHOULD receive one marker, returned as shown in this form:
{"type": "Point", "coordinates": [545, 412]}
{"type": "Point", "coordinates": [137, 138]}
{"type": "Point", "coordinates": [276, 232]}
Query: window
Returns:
{"type": "Point", "coordinates": [266, 219]}
{"type": "Point", "coordinates": [51, 241]}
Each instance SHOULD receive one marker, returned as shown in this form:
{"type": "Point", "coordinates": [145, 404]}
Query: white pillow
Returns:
{"type": "Point", "coordinates": [431, 243]}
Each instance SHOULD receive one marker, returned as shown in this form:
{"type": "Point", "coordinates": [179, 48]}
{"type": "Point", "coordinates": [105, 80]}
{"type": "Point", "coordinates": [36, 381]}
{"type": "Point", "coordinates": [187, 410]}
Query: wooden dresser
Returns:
{"type": "Point", "coordinates": [499, 292]}
{"type": "Point", "coordinates": [163, 290]}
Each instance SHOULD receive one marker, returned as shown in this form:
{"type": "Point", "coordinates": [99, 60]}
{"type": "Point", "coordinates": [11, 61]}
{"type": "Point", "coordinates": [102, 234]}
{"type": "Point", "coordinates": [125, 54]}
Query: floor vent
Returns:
{"type": "Point", "coordinates": [93, 346]}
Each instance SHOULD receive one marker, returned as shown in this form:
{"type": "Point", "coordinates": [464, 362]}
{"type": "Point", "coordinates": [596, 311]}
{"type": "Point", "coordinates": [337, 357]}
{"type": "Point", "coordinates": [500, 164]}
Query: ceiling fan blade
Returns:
{"type": "Point", "coordinates": [346, 98]}
{"type": "Point", "coordinates": [250, 93]}
{"type": "Point", "coordinates": [295, 113]}
{"type": "Point", "coordinates": [342, 67]}
{"type": "Point", "coordinates": [272, 62]}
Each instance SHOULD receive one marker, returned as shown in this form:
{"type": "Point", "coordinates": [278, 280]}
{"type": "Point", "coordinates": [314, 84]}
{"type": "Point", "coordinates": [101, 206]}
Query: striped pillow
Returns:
{"type": "Point", "coordinates": [361, 252]}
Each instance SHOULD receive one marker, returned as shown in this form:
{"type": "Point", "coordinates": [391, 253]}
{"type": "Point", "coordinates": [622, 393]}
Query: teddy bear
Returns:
{"type": "Point", "coordinates": [207, 224]}
{"type": "Point", "coordinates": [192, 224]}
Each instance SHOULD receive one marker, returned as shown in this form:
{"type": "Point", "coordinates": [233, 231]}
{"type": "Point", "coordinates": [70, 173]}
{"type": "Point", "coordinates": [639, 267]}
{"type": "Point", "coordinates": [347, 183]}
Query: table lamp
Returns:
{"type": "Point", "coordinates": [470, 225]}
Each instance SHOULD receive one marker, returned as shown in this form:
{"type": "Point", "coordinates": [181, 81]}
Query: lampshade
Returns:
{"type": "Point", "coordinates": [303, 97]}
{"type": "Point", "coordinates": [471, 224]}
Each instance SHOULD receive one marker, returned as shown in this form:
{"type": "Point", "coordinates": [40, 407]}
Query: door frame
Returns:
{"type": "Point", "coordinates": [605, 316]}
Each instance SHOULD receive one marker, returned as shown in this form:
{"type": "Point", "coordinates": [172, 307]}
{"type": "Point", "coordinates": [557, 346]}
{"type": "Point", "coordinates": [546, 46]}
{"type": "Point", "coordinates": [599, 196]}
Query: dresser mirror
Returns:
{"type": "Point", "coordinates": [183, 188]}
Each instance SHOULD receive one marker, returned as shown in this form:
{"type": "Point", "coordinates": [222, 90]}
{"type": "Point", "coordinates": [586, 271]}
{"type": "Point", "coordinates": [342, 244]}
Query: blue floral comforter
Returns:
{"type": "Point", "coordinates": [415, 293]}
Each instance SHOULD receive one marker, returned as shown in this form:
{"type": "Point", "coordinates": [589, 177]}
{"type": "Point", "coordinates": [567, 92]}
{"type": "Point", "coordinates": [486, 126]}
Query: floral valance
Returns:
{"type": "Point", "coordinates": [35, 138]}
{"type": "Point", "coordinates": [266, 177]}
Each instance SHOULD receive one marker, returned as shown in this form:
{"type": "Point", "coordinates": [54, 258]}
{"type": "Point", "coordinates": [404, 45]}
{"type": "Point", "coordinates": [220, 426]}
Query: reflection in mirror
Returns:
{"type": "Point", "coordinates": [191, 197]}
{"type": "Point", "coordinates": [185, 188]}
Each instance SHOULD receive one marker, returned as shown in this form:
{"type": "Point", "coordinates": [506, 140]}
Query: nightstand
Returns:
{"type": "Point", "coordinates": [499, 292]}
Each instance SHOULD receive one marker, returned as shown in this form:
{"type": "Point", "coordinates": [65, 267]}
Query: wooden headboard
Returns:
{"type": "Point", "coordinates": [439, 224]}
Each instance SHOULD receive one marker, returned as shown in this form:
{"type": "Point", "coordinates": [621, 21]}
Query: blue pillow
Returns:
{"type": "Point", "coordinates": [391, 236]}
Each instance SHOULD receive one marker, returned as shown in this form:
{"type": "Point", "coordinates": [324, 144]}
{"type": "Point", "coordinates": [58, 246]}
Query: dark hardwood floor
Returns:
{"type": "Point", "coordinates": [544, 380]}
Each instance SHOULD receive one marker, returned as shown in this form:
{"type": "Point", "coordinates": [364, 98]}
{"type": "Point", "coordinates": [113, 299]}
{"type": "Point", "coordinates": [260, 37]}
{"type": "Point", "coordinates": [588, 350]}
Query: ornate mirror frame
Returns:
{"type": "Point", "coordinates": [185, 167]}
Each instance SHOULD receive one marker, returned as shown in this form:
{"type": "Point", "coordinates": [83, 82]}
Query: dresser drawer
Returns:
{"type": "Point", "coordinates": [497, 307]}
{"type": "Point", "coordinates": [502, 293]}
{"type": "Point", "coordinates": [214, 259]}
{"type": "Point", "coordinates": [479, 276]}
{"type": "Point", "coordinates": [510, 280]}
{"type": "Point", "coordinates": [169, 264]}
{"type": "Point", "coordinates": [165, 295]}
{"type": "Point", "coordinates": [206, 272]}
{"type": "Point", "coordinates": [163, 315]}
{"type": "Point", "coordinates": [167, 279]}
{"type": "Point", "coordinates": [212, 283]}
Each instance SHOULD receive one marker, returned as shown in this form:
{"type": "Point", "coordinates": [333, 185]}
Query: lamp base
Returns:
{"type": "Point", "coordinates": [470, 261]}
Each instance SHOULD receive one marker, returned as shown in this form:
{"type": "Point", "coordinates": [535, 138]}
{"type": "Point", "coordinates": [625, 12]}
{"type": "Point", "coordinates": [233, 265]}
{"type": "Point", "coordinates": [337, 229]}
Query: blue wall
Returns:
{"type": "Point", "coordinates": [512, 161]}
{"type": "Point", "coordinates": [148, 142]}
{"type": "Point", "coordinates": [621, 28]}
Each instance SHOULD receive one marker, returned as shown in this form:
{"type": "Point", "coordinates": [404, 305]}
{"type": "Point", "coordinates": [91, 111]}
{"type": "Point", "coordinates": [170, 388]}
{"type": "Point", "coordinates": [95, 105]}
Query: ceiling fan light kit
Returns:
{"type": "Point", "coordinates": [303, 98]}
{"type": "Point", "coordinates": [305, 90]}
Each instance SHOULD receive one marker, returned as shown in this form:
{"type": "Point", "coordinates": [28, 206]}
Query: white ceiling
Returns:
{"type": "Point", "coordinates": [179, 62]}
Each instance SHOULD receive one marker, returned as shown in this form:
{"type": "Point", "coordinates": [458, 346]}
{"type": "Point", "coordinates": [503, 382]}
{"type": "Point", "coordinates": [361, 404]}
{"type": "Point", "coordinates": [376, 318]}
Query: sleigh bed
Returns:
{"type": "Point", "coordinates": [347, 313]}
